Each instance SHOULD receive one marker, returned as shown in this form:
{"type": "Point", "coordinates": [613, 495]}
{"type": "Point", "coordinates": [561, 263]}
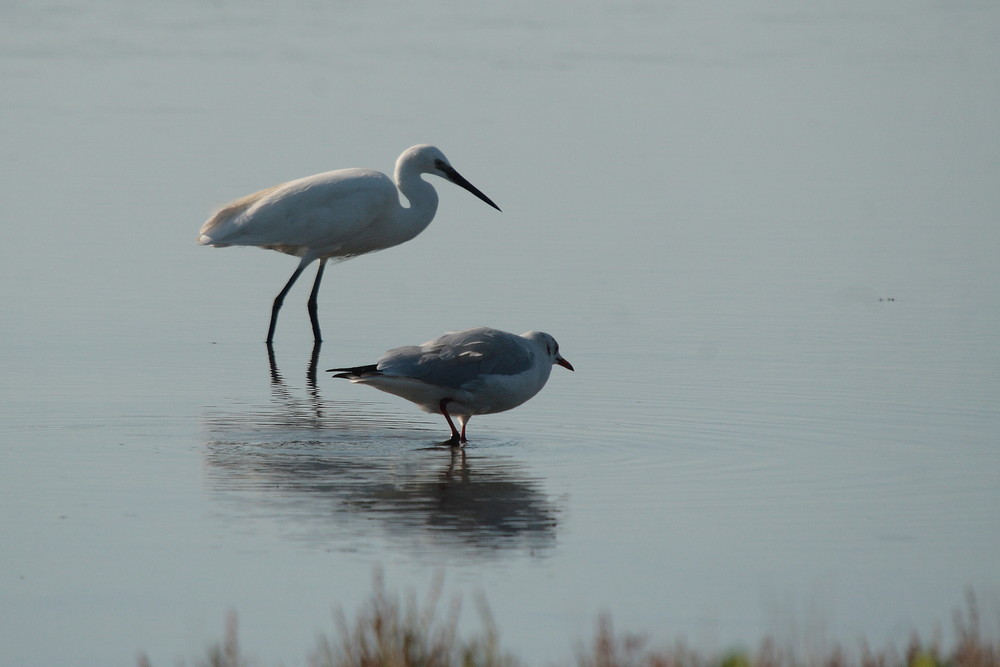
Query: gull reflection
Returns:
{"type": "Point", "coordinates": [345, 476]}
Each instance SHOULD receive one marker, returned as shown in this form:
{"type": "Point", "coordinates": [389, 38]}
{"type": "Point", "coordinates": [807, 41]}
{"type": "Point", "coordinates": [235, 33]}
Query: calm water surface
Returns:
{"type": "Point", "coordinates": [767, 239]}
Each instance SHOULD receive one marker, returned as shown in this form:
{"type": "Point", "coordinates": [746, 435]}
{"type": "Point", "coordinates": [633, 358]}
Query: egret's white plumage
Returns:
{"type": "Point", "coordinates": [463, 373]}
{"type": "Point", "coordinates": [335, 215]}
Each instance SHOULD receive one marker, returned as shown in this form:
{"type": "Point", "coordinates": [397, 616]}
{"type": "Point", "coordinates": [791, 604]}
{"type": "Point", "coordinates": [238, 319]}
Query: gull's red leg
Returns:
{"type": "Point", "coordinates": [454, 431]}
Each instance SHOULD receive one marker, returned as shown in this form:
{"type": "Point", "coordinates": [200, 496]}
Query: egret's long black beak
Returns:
{"type": "Point", "coordinates": [459, 180]}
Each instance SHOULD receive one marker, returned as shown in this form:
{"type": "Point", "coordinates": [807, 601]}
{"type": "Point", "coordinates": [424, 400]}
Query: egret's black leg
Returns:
{"type": "Point", "coordinates": [312, 302]}
{"type": "Point", "coordinates": [280, 299]}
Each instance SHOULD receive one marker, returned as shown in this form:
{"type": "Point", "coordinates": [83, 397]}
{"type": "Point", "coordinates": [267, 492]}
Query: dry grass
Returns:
{"type": "Point", "coordinates": [971, 649]}
{"type": "Point", "coordinates": [391, 633]}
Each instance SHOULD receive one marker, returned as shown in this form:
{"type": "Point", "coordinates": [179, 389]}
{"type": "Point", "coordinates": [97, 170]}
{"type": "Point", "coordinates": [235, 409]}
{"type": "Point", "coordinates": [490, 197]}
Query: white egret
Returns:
{"type": "Point", "coordinates": [463, 373]}
{"type": "Point", "coordinates": [335, 215]}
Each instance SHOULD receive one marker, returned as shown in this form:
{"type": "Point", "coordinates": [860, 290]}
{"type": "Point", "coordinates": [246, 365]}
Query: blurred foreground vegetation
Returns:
{"type": "Point", "coordinates": [390, 633]}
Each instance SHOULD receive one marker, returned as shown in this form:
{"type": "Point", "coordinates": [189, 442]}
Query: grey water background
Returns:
{"type": "Point", "coordinates": [765, 234]}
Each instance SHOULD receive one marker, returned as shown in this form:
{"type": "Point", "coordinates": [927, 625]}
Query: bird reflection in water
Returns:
{"type": "Point", "coordinates": [336, 475]}
{"type": "Point", "coordinates": [280, 389]}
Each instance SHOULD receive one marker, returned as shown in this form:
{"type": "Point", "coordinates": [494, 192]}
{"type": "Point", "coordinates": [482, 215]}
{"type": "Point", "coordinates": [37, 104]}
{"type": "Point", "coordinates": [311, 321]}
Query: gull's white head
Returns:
{"type": "Point", "coordinates": [550, 346]}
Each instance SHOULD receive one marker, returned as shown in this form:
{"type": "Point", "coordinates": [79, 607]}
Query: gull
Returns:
{"type": "Point", "coordinates": [477, 371]}
{"type": "Point", "coordinates": [335, 215]}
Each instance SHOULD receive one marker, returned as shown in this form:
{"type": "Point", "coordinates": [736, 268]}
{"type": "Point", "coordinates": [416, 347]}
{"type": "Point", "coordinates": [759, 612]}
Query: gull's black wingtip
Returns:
{"type": "Point", "coordinates": [354, 371]}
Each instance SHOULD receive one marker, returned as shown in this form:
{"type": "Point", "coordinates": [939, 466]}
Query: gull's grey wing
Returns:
{"type": "Point", "coordinates": [459, 357]}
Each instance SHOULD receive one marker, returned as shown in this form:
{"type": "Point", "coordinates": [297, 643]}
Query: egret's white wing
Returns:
{"type": "Point", "coordinates": [335, 212]}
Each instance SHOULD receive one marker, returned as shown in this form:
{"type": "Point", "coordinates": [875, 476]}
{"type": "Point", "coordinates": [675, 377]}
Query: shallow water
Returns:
{"type": "Point", "coordinates": [766, 240]}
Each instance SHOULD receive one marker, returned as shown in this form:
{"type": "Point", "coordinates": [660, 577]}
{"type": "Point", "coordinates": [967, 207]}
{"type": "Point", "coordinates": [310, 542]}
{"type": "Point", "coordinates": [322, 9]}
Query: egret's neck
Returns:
{"type": "Point", "coordinates": [421, 205]}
